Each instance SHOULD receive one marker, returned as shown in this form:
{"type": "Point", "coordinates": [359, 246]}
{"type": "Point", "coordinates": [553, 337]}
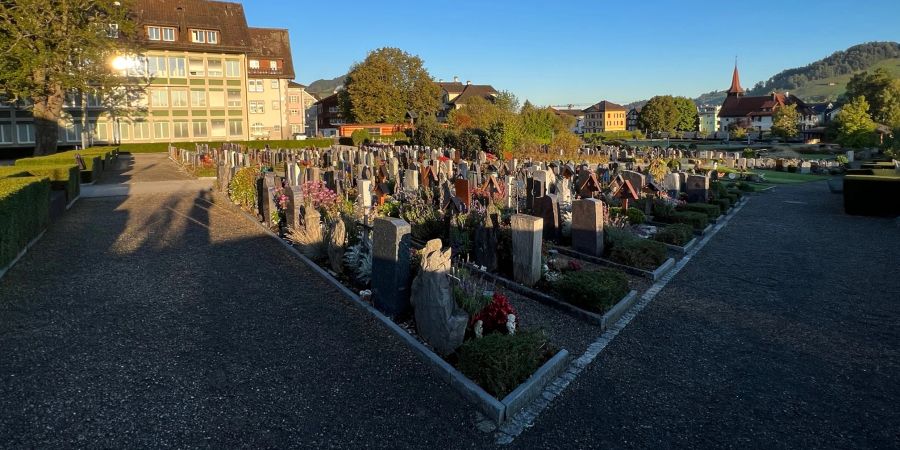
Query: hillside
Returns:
{"type": "Point", "coordinates": [826, 79]}
{"type": "Point", "coordinates": [324, 88]}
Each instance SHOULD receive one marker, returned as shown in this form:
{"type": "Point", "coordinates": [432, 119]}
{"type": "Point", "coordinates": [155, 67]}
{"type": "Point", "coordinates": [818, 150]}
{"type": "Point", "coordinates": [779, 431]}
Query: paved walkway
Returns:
{"type": "Point", "coordinates": [143, 174]}
{"type": "Point", "coordinates": [167, 319]}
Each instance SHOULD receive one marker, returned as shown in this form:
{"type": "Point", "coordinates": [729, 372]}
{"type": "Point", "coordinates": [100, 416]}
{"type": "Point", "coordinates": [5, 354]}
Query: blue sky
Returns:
{"type": "Point", "coordinates": [580, 51]}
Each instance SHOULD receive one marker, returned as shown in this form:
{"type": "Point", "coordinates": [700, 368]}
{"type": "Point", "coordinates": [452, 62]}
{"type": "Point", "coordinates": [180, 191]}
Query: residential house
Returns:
{"type": "Point", "coordinates": [708, 119]}
{"type": "Point", "coordinates": [631, 119]}
{"type": "Point", "coordinates": [578, 127]}
{"type": "Point", "coordinates": [455, 94]}
{"type": "Point", "coordinates": [270, 70]}
{"type": "Point", "coordinates": [298, 106]}
{"type": "Point", "coordinates": [329, 117]}
{"type": "Point", "coordinates": [603, 117]}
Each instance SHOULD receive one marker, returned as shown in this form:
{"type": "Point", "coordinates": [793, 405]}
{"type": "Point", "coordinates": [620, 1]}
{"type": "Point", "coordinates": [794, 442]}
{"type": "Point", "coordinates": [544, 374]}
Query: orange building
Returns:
{"type": "Point", "coordinates": [605, 116]}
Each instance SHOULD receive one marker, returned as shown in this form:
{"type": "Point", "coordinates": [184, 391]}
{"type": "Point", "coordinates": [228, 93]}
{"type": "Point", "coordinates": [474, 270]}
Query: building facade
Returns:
{"type": "Point", "coordinates": [756, 113]}
{"type": "Point", "coordinates": [202, 70]}
{"type": "Point", "coordinates": [603, 117]}
{"type": "Point", "coordinates": [631, 119]}
{"type": "Point", "coordinates": [709, 118]}
{"type": "Point", "coordinates": [578, 114]}
{"type": "Point", "coordinates": [298, 106]}
{"type": "Point", "coordinates": [455, 94]}
{"type": "Point", "coordinates": [329, 117]}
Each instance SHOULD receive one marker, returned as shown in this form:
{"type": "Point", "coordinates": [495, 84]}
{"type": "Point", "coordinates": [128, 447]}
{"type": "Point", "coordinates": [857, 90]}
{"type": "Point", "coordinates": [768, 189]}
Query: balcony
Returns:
{"type": "Point", "coordinates": [265, 71]}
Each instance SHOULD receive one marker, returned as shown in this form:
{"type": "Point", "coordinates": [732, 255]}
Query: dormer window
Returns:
{"type": "Point", "coordinates": [254, 64]}
{"type": "Point", "coordinates": [204, 37]}
{"type": "Point", "coordinates": [155, 33]}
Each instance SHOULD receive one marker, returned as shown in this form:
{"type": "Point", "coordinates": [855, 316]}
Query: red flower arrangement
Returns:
{"type": "Point", "coordinates": [494, 316]}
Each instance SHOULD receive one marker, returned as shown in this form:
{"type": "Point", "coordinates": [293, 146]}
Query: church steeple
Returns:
{"type": "Point", "coordinates": [735, 90]}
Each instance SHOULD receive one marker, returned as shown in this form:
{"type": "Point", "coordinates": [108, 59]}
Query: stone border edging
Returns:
{"type": "Point", "coordinates": [683, 249]}
{"type": "Point", "coordinates": [614, 313]}
{"type": "Point", "coordinates": [652, 275]}
{"type": "Point", "coordinates": [496, 410]}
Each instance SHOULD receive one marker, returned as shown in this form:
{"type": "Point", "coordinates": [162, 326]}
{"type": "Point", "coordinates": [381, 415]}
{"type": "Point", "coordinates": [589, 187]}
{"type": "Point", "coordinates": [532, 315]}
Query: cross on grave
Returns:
{"type": "Point", "coordinates": [626, 192]}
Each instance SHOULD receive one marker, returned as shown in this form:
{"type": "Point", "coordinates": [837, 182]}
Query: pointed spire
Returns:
{"type": "Point", "coordinates": [735, 88]}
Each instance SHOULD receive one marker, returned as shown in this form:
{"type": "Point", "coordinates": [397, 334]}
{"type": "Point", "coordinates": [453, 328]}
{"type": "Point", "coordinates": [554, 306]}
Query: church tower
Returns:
{"type": "Point", "coordinates": [735, 90]}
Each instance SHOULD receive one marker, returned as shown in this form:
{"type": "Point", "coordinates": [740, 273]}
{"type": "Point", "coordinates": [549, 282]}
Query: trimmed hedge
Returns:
{"type": "Point", "coordinates": [711, 211]}
{"type": "Point", "coordinates": [500, 362]}
{"type": "Point", "coordinates": [641, 253]}
{"type": "Point", "coordinates": [162, 147]}
{"type": "Point", "coordinates": [594, 291]}
{"type": "Point", "coordinates": [62, 177]}
{"type": "Point", "coordinates": [675, 234]}
{"type": "Point", "coordinates": [92, 163]}
{"type": "Point", "coordinates": [24, 213]}
{"type": "Point", "coordinates": [695, 219]}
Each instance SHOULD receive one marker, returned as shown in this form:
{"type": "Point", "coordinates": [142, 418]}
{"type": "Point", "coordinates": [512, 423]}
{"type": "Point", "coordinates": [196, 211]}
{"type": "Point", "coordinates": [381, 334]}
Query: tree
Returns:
{"type": "Point", "coordinates": [688, 119]}
{"type": "Point", "coordinates": [429, 133]}
{"type": "Point", "coordinates": [477, 112]}
{"type": "Point", "coordinates": [785, 120]}
{"type": "Point", "coordinates": [387, 84]}
{"type": "Point", "coordinates": [659, 114]}
{"type": "Point", "coordinates": [882, 92]}
{"type": "Point", "coordinates": [51, 48]}
{"type": "Point", "coordinates": [855, 128]}
{"type": "Point", "coordinates": [507, 101]}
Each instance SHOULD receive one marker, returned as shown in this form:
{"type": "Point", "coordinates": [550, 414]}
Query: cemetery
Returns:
{"type": "Point", "coordinates": [501, 269]}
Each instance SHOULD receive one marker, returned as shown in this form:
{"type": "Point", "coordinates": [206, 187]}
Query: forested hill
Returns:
{"type": "Point", "coordinates": [825, 79]}
{"type": "Point", "coordinates": [324, 88]}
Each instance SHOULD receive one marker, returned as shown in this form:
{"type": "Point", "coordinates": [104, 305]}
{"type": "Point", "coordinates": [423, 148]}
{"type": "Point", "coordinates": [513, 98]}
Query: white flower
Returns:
{"type": "Point", "coordinates": [479, 329]}
{"type": "Point", "coordinates": [511, 324]}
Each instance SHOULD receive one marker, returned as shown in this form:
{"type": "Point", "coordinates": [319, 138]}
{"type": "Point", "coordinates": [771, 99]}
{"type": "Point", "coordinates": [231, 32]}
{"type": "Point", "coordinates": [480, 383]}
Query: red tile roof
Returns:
{"type": "Point", "coordinates": [604, 106]}
{"type": "Point", "coordinates": [763, 105]}
{"type": "Point", "coordinates": [225, 17]}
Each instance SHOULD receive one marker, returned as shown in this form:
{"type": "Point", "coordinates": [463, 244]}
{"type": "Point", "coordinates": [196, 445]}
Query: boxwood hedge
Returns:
{"type": "Point", "coordinates": [24, 213]}
{"type": "Point", "coordinates": [62, 177]}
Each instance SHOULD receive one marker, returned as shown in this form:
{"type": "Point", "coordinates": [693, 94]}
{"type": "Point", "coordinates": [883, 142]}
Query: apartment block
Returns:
{"type": "Point", "coordinates": [205, 76]}
{"type": "Point", "coordinates": [604, 116]}
{"type": "Point", "coordinates": [300, 107]}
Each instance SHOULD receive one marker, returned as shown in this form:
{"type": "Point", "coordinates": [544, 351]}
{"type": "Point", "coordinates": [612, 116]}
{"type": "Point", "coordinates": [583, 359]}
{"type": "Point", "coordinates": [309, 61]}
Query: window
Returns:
{"type": "Point", "coordinates": [196, 67]}
{"type": "Point", "coordinates": [255, 86]}
{"type": "Point", "coordinates": [294, 112]}
{"type": "Point", "coordinates": [179, 98]}
{"type": "Point", "coordinates": [254, 64]}
{"type": "Point", "coordinates": [273, 65]}
{"type": "Point", "coordinates": [161, 130]}
{"type": "Point", "coordinates": [159, 98]}
{"type": "Point", "coordinates": [93, 100]}
{"type": "Point", "coordinates": [276, 105]}
{"type": "Point", "coordinates": [294, 99]}
{"type": "Point", "coordinates": [198, 36]}
{"type": "Point", "coordinates": [274, 84]}
{"type": "Point", "coordinates": [156, 66]}
{"type": "Point", "coordinates": [180, 129]}
{"type": "Point", "coordinates": [257, 106]}
{"type": "Point", "coordinates": [24, 132]}
{"type": "Point", "coordinates": [234, 98]}
{"type": "Point", "coordinates": [214, 67]}
{"type": "Point", "coordinates": [142, 130]}
{"type": "Point", "coordinates": [257, 129]}
{"type": "Point", "coordinates": [216, 99]}
{"type": "Point", "coordinates": [198, 97]}
{"type": "Point", "coordinates": [296, 129]}
{"type": "Point", "coordinates": [112, 30]}
{"type": "Point", "coordinates": [176, 66]}
{"type": "Point", "coordinates": [168, 34]}
{"type": "Point", "coordinates": [235, 128]}
{"type": "Point", "coordinates": [101, 131]}
{"type": "Point", "coordinates": [200, 128]}
{"type": "Point", "coordinates": [212, 37]}
{"type": "Point", "coordinates": [153, 33]}
{"type": "Point", "coordinates": [124, 131]}
{"type": "Point", "coordinates": [232, 68]}
{"type": "Point", "coordinates": [217, 127]}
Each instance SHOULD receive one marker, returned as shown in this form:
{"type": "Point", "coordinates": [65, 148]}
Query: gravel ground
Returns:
{"type": "Point", "coordinates": [563, 330]}
{"type": "Point", "coordinates": [162, 320]}
{"type": "Point", "coordinates": [143, 167]}
{"type": "Point", "coordinates": [781, 332]}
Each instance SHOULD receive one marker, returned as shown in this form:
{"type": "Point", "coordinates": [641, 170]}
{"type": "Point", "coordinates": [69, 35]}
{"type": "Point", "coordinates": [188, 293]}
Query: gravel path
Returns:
{"type": "Point", "coordinates": [782, 332]}
{"type": "Point", "coordinates": [163, 320]}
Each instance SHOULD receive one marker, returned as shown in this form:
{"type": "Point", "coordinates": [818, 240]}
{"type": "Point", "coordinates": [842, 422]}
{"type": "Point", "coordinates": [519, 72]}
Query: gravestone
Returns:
{"type": "Point", "coordinates": [547, 208]}
{"type": "Point", "coordinates": [638, 180]}
{"type": "Point", "coordinates": [294, 203]}
{"type": "Point", "coordinates": [390, 265]}
{"type": "Point", "coordinates": [463, 188]}
{"type": "Point", "coordinates": [526, 251]}
{"type": "Point", "coordinates": [697, 188]}
{"type": "Point", "coordinates": [364, 193]}
{"type": "Point", "coordinates": [440, 322]}
{"type": "Point", "coordinates": [587, 226]}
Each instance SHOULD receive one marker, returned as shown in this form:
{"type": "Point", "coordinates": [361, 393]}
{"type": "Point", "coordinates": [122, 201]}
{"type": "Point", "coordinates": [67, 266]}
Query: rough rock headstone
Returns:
{"type": "Point", "coordinates": [336, 246]}
{"type": "Point", "coordinates": [440, 322]}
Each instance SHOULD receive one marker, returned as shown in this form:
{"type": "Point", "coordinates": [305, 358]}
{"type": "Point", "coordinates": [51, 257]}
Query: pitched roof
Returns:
{"type": "Point", "coordinates": [273, 43]}
{"type": "Point", "coordinates": [570, 112]}
{"type": "Point", "coordinates": [453, 87]}
{"type": "Point", "coordinates": [296, 85]}
{"type": "Point", "coordinates": [735, 82]}
{"type": "Point", "coordinates": [485, 91]}
{"type": "Point", "coordinates": [762, 105]}
{"type": "Point", "coordinates": [225, 17]}
{"type": "Point", "coordinates": [604, 106]}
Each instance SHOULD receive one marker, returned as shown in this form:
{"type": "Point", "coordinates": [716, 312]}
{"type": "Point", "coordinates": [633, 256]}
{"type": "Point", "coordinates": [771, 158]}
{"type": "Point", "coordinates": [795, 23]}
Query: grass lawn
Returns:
{"type": "Point", "coordinates": [775, 177]}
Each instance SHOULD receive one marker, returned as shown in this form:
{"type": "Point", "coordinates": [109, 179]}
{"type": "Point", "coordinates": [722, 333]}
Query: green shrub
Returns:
{"type": "Point", "coordinates": [634, 216]}
{"type": "Point", "coordinates": [360, 137]}
{"type": "Point", "coordinates": [711, 211]}
{"type": "Point", "coordinates": [613, 236]}
{"type": "Point", "coordinates": [471, 304]}
{"type": "Point", "coordinates": [594, 291]}
{"type": "Point", "coordinates": [24, 213]}
{"type": "Point", "coordinates": [62, 177]}
{"type": "Point", "coordinates": [640, 253]}
{"type": "Point", "coordinates": [242, 187]}
{"type": "Point", "coordinates": [675, 234]}
{"type": "Point", "coordinates": [722, 203]}
{"type": "Point", "coordinates": [93, 166]}
{"type": "Point", "coordinates": [695, 219]}
{"type": "Point", "coordinates": [500, 362]}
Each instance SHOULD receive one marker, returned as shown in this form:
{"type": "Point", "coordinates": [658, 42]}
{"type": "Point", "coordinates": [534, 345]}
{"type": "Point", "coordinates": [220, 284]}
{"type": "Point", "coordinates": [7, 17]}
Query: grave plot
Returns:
{"type": "Point", "coordinates": [495, 269]}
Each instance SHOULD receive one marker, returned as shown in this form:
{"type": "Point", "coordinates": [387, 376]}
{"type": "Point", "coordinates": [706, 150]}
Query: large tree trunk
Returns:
{"type": "Point", "coordinates": [47, 111]}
